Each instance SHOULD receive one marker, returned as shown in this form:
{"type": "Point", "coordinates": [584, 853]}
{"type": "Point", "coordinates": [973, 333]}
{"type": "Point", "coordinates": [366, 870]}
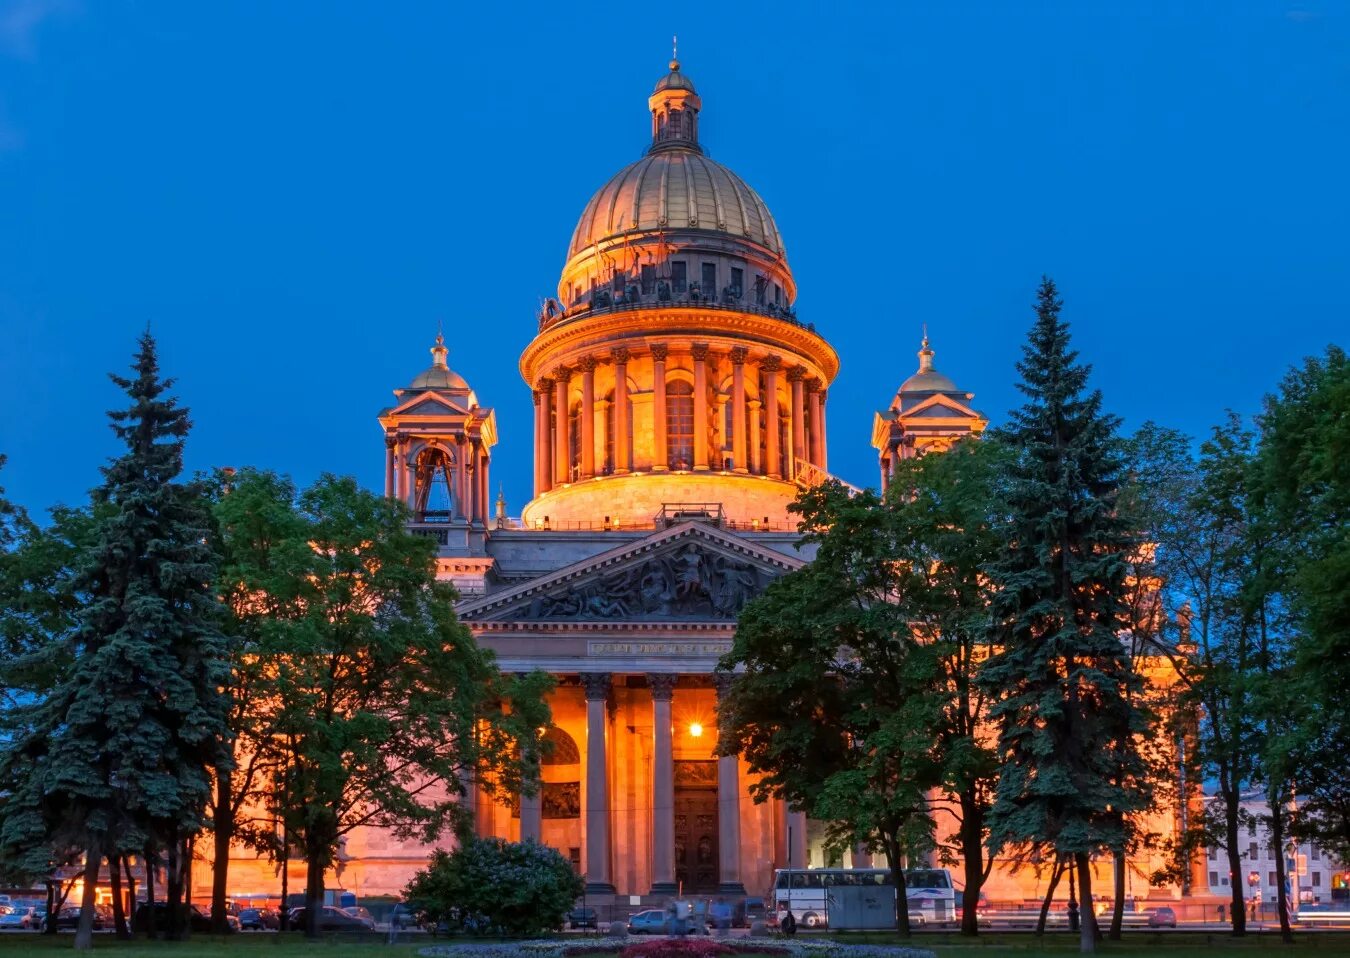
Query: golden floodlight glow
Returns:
{"type": "Point", "coordinates": [695, 729]}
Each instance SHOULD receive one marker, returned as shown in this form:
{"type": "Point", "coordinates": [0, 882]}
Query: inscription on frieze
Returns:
{"type": "Point", "coordinates": [689, 583]}
{"type": "Point", "coordinates": [658, 648]}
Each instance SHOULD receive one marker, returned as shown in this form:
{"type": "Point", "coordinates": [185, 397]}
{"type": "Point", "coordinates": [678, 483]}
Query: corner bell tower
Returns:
{"type": "Point", "coordinates": [438, 442]}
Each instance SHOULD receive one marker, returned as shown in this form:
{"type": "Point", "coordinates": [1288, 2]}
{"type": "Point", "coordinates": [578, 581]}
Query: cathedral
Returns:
{"type": "Point", "coordinates": [680, 404]}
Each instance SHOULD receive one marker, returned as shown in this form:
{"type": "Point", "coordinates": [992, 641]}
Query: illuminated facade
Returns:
{"type": "Point", "coordinates": [679, 405]}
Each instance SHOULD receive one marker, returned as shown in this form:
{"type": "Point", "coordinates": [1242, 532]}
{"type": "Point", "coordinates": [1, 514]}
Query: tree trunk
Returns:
{"type": "Point", "coordinates": [1277, 840]}
{"type": "Point", "coordinates": [150, 862]}
{"type": "Point", "coordinates": [1087, 933]}
{"type": "Point", "coordinates": [284, 919]}
{"type": "Point", "coordinates": [1238, 907]}
{"type": "Point", "coordinates": [187, 887]}
{"type": "Point", "coordinates": [131, 896]}
{"type": "Point", "coordinates": [50, 927]}
{"type": "Point", "coordinates": [1118, 904]}
{"type": "Point", "coordinates": [313, 891]}
{"type": "Point", "coordinates": [84, 932]}
{"type": "Point", "coordinates": [118, 905]}
{"type": "Point", "coordinates": [1055, 873]}
{"type": "Point", "coordinates": [173, 890]}
{"type": "Point", "coordinates": [893, 860]}
{"type": "Point", "coordinates": [222, 824]}
{"type": "Point", "coordinates": [972, 857]}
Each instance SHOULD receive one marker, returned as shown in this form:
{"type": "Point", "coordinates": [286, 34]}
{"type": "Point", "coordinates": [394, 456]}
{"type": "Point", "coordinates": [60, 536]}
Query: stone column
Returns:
{"type": "Point", "coordinates": [862, 858]}
{"type": "Point", "coordinates": [771, 367]}
{"type": "Point", "coordinates": [663, 786]}
{"type": "Point", "coordinates": [588, 365]}
{"type": "Point", "coordinates": [388, 466]}
{"type": "Point", "coordinates": [484, 492]}
{"type": "Point", "coordinates": [475, 484]}
{"type": "Point", "coordinates": [728, 811]}
{"type": "Point", "coordinates": [468, 781]}
{"type": "Point", "coordinates": [740, 463]}
{"type": "Point", "coordinates": [539, 427]}
{"type": "Point", "coordinates": [797, 377]}
{"type": "Point", "coordinates": [562, 445]}
{"type": "Point", "coordinates": [752, 440]}
{"type": "Point", "coordinates": [824, 435]}
{"type": "Point", "coordinates": [598, 880]}
{"type": "Point", "coordinates": [660, 462]}
{"type": "Point", "coordinates": [796, 823]}
{"type": "Point", "coordinates": [817, 434]}
{"type": "Point", "coordinates": [623, 454]}
{"type": "Point", "coordinates": [409, 475]}
{"type": "Point", "coordinates": [700, 353]}
{"type": "Point", "coordinates": [460, 508]}
{"type": "Point", "coordinates": [544, 452]}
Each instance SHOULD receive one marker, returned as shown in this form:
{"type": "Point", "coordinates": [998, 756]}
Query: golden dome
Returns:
{"type": "Point", "coordinates": [676, 189]}
{"type": "Point", "coordinates": [674, 80]}
{"type": "Point", "coordinates": [439, 375]}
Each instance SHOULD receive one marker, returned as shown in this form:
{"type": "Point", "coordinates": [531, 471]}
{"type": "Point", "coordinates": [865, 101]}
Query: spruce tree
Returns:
{"type": "Point", "coordinates": [117, 751]}
{"type": "Point", "coordinates": [1061, 674]}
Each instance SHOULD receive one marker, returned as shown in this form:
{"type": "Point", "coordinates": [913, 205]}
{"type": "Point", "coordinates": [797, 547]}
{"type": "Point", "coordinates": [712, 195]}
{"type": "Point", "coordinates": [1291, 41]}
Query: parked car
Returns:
{"type": "Point", "coordinates": [259, 919]}
{"type": "Point", "coordinates": [356, 911]}
{"type": "Point", "coordinates": [68, 919]}
{"type": "Point", "coordinates": [649, 922]}
{"type": "Point", "coordinates": [583, 918]}
{"type": "Point", "coordinates": [753, 910]}
{"type": "Point", "coordinates": [330, 919]}
{"type": "Point", "coordinates": [19, 917]}
{"type": "Point", "coordinates": [1162, 917]}
{"type": "Point", "coordinates": [196, 919]}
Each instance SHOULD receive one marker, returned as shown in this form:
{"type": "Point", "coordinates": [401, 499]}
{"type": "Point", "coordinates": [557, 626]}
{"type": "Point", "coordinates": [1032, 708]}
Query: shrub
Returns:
{"type": "Point", "coordinates": [491, 886]}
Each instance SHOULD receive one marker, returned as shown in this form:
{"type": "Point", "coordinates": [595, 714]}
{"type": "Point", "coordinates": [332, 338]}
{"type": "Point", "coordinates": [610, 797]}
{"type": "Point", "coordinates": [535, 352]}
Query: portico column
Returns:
{"type": "Point", "coordinates": [562, 445]}
{"type": "Point", "coordinates": [814, 411]}
{"type": "Point", "coordinates": [740, 463]}
{"type": "Point", "coordinates": [598, 880]}
{"type": "Point", "coordinates": [752, 439]}
{"type": "Point", "coordinates": [797, 377]}
{"type": "Point", "coordinates": [862, 858]}
{"type": "Point", "coordinates": [468, 783]}
{"type": "Point", "coordinates": [538, 440]}
{"type": "Point", "coordinates": [660, 462]}
{"type": "Point", "coordinates": [588, 417]}
{"type": "Point", "coordinates": [622, 454]}
{"type": "Point", "coordinates": [700, 353]}
{"type": "Point", "coordinates": [409, 476]}
{"type": "Point", "coordinates": [475, 500]}
{"type": "Point", "coordinates": [728, 811]}
{"type": "Point", "coordinates": [461, 504]}
{"type": "Point", "coordinates": [796, 823]}
{"type": "Point", "coordinates": [544, 452]}
{"type": "Point", "coordinates": [771, 366]}
{"type": "Point", "coordinates": [663, 786]}
{"type": "Point", "coordinates": [389, 466]}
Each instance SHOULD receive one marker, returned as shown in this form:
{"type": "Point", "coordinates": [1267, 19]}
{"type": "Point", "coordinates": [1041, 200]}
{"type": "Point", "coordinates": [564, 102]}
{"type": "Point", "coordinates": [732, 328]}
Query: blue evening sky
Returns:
{"type": "Point", "coordinates": [294, 194]}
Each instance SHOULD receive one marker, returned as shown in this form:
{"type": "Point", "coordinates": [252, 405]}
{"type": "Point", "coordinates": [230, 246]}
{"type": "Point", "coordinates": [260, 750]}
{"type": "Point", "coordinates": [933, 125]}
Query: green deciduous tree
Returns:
{"type": "Point", "coordinates": [1069, 767]}
{"type": "Point", "coordinates": [839, 698]}
{"type": "Point", "coordinates": [373, 699]}
{"type": "Point", "coordinates": [492, 886]}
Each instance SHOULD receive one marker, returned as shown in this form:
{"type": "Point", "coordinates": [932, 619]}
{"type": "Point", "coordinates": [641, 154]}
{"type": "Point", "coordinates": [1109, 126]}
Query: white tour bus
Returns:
{"type": "Point", "coordinates": [931, 896]}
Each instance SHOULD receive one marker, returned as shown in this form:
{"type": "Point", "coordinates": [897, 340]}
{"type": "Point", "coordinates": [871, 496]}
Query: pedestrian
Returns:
{"type": "Point", "coordinates": [788, 924]}
{"type": "Point", "coordinates": [1073, 914]}
{"type": "Point", "coordinates": [1222, 911]}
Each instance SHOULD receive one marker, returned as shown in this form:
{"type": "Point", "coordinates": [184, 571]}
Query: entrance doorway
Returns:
{"type": "Point", "coordinates": [696, 861]}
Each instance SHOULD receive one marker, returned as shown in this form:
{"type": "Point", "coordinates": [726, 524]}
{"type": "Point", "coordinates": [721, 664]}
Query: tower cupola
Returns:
{"type": "Point", "coordinates": [674, 105]}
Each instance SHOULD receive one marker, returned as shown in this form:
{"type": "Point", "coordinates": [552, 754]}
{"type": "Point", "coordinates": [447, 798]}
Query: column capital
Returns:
{"type": "Point", "coordinates": [390, 441]}
{"type": "Point", "coordinates": [620, 354]}
{"type": "Point", "coordinates": [699, 352]}
{"type": "Point", "coordinates": [545, 385]}
{"type": "Point", "coordinates": [814, 385]}
{"type": "Point", "coordinates": [659, 352]}
{"type": "Point", "coordinates": [588, 364]}
{"type": "Point", "coordinates": [596, 684]}
{"type": "Point", "coordinates": [771, 364]}
{"type": "Point", "coordinates": [796, 374]}
{"type": "Point", "coordinates": [722, 681]}
{"type": "Point", "coordinates": [561, 374]}
{"type": "Point", "coordinates": [535, 393]}
{"type": "Point", "coordinates": [662, 685]}
{"type": "Point", "coordinates": [739, 354]}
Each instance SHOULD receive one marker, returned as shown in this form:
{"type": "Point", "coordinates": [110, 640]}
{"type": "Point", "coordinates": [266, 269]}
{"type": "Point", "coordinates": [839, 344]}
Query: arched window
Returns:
{"type": "Point", "coordinates": [433, 485]}
{"type": "Point", "coordinates": [680, 425]}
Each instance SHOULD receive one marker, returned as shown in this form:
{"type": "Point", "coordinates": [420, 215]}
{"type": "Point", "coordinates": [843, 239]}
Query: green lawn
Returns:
{"type": "Point", "coordinates": [1140, 944]}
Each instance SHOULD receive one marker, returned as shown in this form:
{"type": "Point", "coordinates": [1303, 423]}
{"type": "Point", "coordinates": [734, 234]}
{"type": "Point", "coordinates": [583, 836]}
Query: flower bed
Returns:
{"type": "Point", "coordinates": [674, 948]}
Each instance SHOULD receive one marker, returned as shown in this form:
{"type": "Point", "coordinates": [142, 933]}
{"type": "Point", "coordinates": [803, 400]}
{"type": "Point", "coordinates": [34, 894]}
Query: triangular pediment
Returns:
{"type": "Point", "coordinates": [429, 404]}
{"type": "Point", "coordinates": [940, 406]}
{"type": "Point", "coordinates": [690, 572]}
